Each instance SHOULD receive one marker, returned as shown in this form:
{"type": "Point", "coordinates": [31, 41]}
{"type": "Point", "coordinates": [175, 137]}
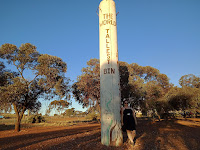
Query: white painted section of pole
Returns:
{"type": "Point", "coordinates": [111, 133]}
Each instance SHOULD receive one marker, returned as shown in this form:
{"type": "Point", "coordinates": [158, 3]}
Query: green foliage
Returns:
{"type": "Point", "coordinates": [183, 98]}
{"type": "Point", "coordinates": [47, 112]}
{"type": "Point", "coordinates": [36, 119]}
{"type": "Point", "coordinates": [190, 80]}
{"type": "Point", "coordinates": [80, 114]}
{"type": "Point", "coordinates": [148, 86]}
{"type": "Point", "coordinates": [69, 112]}
{"type": "Point", "coordinates": [59, 105]}
{"type": "Point", "coordinates": [48, 81]}
{"type": "Point", "coordinates": [94, 116]}
{"type": "Point", "coordinates": [142, 86]}
{"type": "Point", "coordinates": [87, 88]}
{"type": "Point", "coordinates": [6, 77]}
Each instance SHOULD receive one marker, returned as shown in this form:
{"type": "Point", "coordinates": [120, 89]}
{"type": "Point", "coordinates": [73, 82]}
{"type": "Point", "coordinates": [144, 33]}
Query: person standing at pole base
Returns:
{"type": "Point", "coordinates": [129, 122]}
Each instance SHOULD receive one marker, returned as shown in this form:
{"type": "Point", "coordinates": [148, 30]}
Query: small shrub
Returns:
{"type": "Point", "coordinates": [92, 116]}
{"type": "Point", "coordinates": [36, 119]}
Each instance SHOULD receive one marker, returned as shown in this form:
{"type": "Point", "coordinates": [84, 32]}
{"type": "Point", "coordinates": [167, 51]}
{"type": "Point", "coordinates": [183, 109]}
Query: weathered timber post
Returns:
{"type": "Point", "coordinates": [111, 134]}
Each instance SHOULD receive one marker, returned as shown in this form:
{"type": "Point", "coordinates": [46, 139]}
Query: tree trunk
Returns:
{"type": "Point", "coordinates": [19, 116]}
{"type": "Point", "coordinates": [29, 112]}
{"type": "Point", "coordinates": [17, 125]}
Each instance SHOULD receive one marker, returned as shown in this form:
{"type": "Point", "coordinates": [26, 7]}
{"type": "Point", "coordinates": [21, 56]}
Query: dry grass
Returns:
{"type": "Point", "coordinates": [8, 124]}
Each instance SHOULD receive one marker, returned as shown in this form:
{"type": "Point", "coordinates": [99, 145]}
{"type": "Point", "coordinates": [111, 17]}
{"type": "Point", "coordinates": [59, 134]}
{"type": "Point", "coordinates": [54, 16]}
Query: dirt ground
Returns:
{"type": "Point", "coordinates": [179, 134]}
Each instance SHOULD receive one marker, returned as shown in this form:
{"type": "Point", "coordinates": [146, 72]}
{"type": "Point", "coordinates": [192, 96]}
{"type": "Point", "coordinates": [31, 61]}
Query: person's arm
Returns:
{"type": "Point", "coordinates": [134, 117]}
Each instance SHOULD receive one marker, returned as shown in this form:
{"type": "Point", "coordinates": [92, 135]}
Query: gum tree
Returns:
{"type": "Point", "coordinates": [87, 88]}
{"type": "Point", "coordinates": [59, 105]}
{"type": "Point", "coordinates": [190, 80]}
{"type": "Point", "coordinates": [47, 78]}
{"type": "Point", "coordinates": [143, 86]}
{"type": "Point", "coordinates": [184, 98]}
{"type": "Point", "coordinates": [6, 77]}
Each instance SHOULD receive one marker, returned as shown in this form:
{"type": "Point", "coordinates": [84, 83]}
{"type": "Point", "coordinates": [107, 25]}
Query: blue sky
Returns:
{"type": "Point", "coordinates": [164, 34]}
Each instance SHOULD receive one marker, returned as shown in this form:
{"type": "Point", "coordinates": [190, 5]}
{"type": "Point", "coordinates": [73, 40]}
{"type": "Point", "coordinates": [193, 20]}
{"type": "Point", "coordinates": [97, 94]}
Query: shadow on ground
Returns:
{"type": "Point", "coordinates": [150, 136]}
{"type": "Point", "coordinates": [167, 135]}
{"type": "Point", "coordinates": [4, 127]}
{"type": "Point", "coordinates": [20, 141]}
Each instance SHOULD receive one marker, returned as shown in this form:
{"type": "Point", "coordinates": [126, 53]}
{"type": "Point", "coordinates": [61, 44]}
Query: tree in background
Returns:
{"type": "Point", "coordinates": [148, 86]}
{"type": "Point", "coordinates": [87, 88]}
{"type": "Point", "coordinates": [69, 112]}
{"type": "Point", "coordinates": [125, 86]}
{"type": "Point", "coordinates": [184, 98]}
{"type": "Point", "coordinates": [6, 77]}
{"type": "Point", "coordinates": [190, 80]}
{"type": "Point", "coordinates": [144, 87]}
{"type": "Point", "coordinates": [5, 108]}
{"type": "Point", "coordinates": [60, 105]}
{"type": "Point", "coordinates": [79, 113]}
{"type": "Point", "coordinates": [48, 78]}
{"type": "Point", "coordinates": [187, 97]}
{"type": "Point", "coordinates": [47, 112]}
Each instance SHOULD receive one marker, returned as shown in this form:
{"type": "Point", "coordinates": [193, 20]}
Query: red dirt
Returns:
{"type": "Point", "coordinates": [164, 135]}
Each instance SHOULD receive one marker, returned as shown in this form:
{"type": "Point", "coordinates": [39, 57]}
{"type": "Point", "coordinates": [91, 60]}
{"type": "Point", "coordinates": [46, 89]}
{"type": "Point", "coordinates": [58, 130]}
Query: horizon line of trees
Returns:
{"type": "Point", "coordinates": [144, 86]}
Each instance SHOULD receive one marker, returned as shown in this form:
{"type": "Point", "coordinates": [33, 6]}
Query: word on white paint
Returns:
{"type": "Point", "coordinates": [108, 45]}
{"type": "Point", "coordinates": [108, 19]}
{"type": "Point", "coordinates": [109, 71]}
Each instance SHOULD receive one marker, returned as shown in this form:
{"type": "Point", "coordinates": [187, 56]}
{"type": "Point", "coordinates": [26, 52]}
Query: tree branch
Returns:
{"type": "Point", "coordinates": [21, 72]}
{"type": "Point", "coordinates": [22, 113]}
{"type": "Point", "coordinates": [16, 110]}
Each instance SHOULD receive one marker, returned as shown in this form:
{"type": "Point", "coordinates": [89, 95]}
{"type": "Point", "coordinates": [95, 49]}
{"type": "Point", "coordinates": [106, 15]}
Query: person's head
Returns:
{"type": "Point", "coordinates": [125, 103]}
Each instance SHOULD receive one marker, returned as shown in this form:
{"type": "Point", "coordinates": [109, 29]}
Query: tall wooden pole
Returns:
{"type": "Point", "coordinates": [111, 133]}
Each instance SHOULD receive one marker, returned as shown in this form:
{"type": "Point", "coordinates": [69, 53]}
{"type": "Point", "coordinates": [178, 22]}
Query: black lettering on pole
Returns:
{"type": "Point", "coordinates": [107, 36]}
{"type": "Point", "coordinates": [105, 71]}
{"type": "Point", "coordinates": [104, 16]}
{"type": "Point", "coordinates": [108, 19]}
{"type": "Point", "coordinates": [107, 46]}
{"type": "Point", "coordinates": [112, 71]}
{"type": "Point", "coordinates": [109, 71]}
